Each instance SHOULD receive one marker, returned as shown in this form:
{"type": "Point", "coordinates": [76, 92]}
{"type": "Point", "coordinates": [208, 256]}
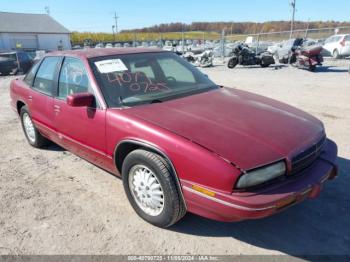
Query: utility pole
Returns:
{"type": "Point", "coordinates": [307, 29]}
{"type": "Point", "coordinates": [223, 45]}
{"type": "Point", "coordinates": [183, 39]}
{"type": "Point", "coordinates": [293, 4]}
{"type": "Point", "coordinates": [113, 26]}
{"type": "Point", "coordinates": [116, 22]}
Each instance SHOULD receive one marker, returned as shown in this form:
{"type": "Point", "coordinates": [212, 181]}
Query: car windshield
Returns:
{"type": "Point", "coordinates": [8, 57]}
{"type": "Point", "coordinates": [134, 79]}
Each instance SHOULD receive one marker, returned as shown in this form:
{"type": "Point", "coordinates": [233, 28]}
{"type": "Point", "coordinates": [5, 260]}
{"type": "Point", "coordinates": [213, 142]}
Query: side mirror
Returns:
{"type": "Point", "coordinates": [80, 100]}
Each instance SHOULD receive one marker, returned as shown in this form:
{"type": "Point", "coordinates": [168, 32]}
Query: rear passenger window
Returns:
{"type": "Point", "coordinates": [31, 74]}
{"type": "Point", "coordinates": [44, 80]}
{"type": "Point", "coordinates": [347, 38]}
{"type": "Point", "coordinates": [336, 39]}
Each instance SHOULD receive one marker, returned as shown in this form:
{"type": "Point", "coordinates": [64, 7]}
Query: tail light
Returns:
{"type": "Point", "coordinates": [342, 43]}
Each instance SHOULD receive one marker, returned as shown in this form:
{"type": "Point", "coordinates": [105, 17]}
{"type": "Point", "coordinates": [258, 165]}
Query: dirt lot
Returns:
{"type": "Point", "coordinates": [52, 202]}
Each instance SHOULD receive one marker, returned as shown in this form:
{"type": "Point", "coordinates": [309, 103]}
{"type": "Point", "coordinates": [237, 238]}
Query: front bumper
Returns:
{"type": "Point", "coordinates": [268, 201]}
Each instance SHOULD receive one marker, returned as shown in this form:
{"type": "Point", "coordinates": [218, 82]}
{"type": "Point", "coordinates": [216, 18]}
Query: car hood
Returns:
{"type": "Point", "coordinates": [246, 129]}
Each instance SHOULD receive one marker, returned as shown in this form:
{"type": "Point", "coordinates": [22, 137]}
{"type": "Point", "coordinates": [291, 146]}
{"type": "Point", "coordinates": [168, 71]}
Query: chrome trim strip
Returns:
{"type": "Point", "coordinates": [315, 152]}
{"type": "Point", "coordinates": [325, 178]}
{"type": "Point", "coordinates": [224, 202]}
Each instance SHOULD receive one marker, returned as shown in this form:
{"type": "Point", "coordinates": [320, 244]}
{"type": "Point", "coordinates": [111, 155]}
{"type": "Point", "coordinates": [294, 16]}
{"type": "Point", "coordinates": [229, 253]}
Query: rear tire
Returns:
{"type": "Point", "coordinates": [33, 136]}
{"type": "Point", "coordinates": [264, 65]}
{"type": "Point", "coordinates": [232, 63]}
{"type": "Point", "coordinates": [151, 188]}
{"type": "Point", "coordinates": [312, 68]}
{"type": "Point", "coordinates": [336, 54]}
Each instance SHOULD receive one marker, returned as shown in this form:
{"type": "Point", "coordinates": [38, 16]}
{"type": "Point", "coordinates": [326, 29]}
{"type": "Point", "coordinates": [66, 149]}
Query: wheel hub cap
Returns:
{"type": "Point", "coordinates": [146, 190]}
{"type": "Point", "coordinates": [29, 127]}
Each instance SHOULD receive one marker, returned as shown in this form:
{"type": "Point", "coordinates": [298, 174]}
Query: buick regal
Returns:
{"type": "Point", "coordinates": [180, 142]}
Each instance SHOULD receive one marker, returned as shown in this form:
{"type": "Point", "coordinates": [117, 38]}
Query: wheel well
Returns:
{"type": "Point", "coordinates": [126, 148]}
{"type": "Point", "coordinates": [19, 105]}
{"type": "Point", "coordinates": [122, 151]}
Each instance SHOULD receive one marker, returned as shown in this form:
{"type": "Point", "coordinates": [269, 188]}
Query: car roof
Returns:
{"type": "Point", "coordinates": [100, 52]}
{"type": "Point", "coordinates": [8, 53]}
{"type": "Point", "coordinates": [341, 35]}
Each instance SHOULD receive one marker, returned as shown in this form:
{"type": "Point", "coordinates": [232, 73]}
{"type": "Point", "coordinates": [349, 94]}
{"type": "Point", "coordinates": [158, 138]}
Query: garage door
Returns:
{"type": "Point", "coordinates": [24, 41]}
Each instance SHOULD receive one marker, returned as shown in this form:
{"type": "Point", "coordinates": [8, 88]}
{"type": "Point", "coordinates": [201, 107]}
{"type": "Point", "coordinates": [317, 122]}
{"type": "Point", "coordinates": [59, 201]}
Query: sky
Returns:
{"type": "Point", "coordinates": [97, 15]}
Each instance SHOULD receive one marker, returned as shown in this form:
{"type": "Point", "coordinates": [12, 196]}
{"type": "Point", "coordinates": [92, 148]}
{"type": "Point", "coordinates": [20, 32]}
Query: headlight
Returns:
{"type": "Point", "coordinates": [261, 175]}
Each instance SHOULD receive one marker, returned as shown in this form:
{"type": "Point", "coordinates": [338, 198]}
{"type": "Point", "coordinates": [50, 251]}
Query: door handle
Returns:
{"type": "Point", "coordinates": [57, 108]}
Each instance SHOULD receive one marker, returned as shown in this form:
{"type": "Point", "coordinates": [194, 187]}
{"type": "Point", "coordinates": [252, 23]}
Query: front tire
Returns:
{"type": "Point", "coordinates": [151, 188]}
{"type": "Point", "coordinates": [232, 63]}
{"type": "Point", "coordinates": [33, 136]}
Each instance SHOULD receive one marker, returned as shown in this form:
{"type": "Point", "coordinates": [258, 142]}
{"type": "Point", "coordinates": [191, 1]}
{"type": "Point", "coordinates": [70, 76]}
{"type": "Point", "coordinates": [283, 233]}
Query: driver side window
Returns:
{"type": "Point", "coordinates": [73, 78]}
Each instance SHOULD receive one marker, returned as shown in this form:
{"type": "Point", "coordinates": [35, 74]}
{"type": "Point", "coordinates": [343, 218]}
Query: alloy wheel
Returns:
{"type": "Point", "coordinates": [29, 127]}
{"type": "Point", "coordinates": [146, 190]}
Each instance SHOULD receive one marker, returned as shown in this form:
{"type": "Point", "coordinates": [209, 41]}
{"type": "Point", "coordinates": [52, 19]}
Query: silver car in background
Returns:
{"type": "Point", "coordinates": [337, 46]}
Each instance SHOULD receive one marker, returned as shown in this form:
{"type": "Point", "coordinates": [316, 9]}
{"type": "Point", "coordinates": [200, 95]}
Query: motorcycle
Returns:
{"type": "Point", "coordinates": [305, 57]}
{"type": "Point", "coordinates": [204, 59]}
{"type": "Point", "coordinates": [242, 55]}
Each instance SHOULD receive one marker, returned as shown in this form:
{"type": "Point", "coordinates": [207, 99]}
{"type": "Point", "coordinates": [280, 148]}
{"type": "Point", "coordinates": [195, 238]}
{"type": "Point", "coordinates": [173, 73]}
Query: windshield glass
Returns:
{"type": "Point", "coordinates": [143, 78]}
{"type": "Point", "coordinates": [8, 57]}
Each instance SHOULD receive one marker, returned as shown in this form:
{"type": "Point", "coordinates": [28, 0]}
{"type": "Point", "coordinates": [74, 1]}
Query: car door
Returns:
{"type": "Point", "coordinates": [80, 129]}
{"type": "Point", "coordinates": [43, 82]}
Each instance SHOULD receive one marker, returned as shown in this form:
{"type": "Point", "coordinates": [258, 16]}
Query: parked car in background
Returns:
{"type": "Point", "coordinates": [338, 46]}
{"type": "Point", "coordinates": [39, 54]}
{"type": "Point", "coordinates": [76, 47]}
{"type": "Point", "coordinates": [109, 45]}
{"type": "Point", "coordinates": [16, 62]}
{"type": "Point", "coordinates": [180, 142]}
{"type": "Point", "coordinates": [100, 45]}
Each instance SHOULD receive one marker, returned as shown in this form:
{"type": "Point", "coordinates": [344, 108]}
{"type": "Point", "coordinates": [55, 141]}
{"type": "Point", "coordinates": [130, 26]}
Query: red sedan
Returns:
{"type": "Point", "coordinates": [180, 142]}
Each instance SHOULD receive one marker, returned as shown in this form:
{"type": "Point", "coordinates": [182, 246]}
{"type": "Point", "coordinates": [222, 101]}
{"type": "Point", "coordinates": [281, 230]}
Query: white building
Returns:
{"type": "Point", "coordinates": [32, 32]}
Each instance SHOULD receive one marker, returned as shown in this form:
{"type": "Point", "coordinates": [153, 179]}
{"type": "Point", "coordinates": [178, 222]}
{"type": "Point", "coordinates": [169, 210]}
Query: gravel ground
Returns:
{"type": "Point", "coordinates": [52, 202]}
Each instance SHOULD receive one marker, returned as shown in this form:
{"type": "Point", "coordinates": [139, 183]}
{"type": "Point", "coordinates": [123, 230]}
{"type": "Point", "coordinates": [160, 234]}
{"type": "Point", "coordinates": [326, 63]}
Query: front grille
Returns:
{"type": "Point", "coordinates": [307, 157]}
